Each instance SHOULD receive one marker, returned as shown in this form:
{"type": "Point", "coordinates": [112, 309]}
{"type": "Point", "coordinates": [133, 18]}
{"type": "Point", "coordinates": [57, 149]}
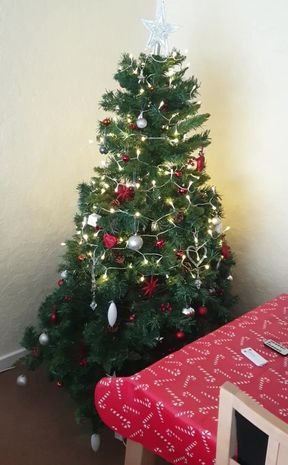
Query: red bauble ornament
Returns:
{"type": "Point", "coordinates": [132, 126]}
{"type": "Point", "coordinates": [182, 190]}
{"type": "Point", "coordinates": [132, 317]}
{"type": "Point", "coordinates": [83, 362]}
{"type": "Point", "coordinates": [67, 298]}
{"type": "Point", "coordinates": [225, 251]}
{"type": "Point", "coordinates": [166, 308]}
{"type": "Point", "coordinates": [109, 241]}
{"type": "Point", "coordinates": [150, 286]}
{"type": "Point", "coordinates": [219, 291]}
{"type": "Point", "coordinates": [178, 173]}
{"type": "Point", "coordinates": [202, 311]}
{"type": "Point", "coordinates": [60, 383]}
{"type": "Point", "coordinates": [81, 258]}
{"type": "Point", "coordinates": [60, 282]}
{"type": "Point", "coordinates": [159, 243]}
{"type": "Point", "coordinates": [53, 316]}
{"type": "Point", "coordinates": [180, 253]}
{"type": "Point", "coordinates": [124, 193]}
{"type": "Point", "coordinates": [180, 335]}
{"type": "Point", "coordinates": [106, 121]}
{"type": "Point", "coordinates": [125, 157]}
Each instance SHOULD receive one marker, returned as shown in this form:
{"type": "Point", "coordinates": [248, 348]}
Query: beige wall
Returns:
{"type": "Point", "coordinates": [58, 57]}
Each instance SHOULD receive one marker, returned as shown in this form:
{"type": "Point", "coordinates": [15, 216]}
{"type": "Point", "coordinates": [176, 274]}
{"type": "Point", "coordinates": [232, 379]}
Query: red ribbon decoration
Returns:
{"type": "Point", "coordinates": [150, 286]}
{"type": "Point", "coordinates": [124, 193]}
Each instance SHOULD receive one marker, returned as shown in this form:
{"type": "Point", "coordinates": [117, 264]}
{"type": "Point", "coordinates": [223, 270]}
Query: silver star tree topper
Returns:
{"type": "Point", "coordinates": [159, 31]}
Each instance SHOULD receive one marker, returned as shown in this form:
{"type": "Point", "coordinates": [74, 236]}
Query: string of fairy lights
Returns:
{"type": "Point", "coordinates": [196, 252]}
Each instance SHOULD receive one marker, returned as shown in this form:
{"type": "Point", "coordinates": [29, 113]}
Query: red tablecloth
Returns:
{"type": "Point", "coordinates": [171, 407]}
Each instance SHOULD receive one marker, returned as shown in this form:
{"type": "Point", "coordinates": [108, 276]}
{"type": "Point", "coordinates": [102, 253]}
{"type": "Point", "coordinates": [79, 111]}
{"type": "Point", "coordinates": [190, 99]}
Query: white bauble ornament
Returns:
{"type": "Point", "coordinates": [95, 441]}
{"type": "Point", "coordinates": [230, 277]}
{"type": "Point", "coordinates": [43, 339]}
{"type": "Point", "coordinates": [141, 121]}
{"type": "Point", "coordinates": [93, 219]}
{"type": "Point", "coordinates": [112, 314]}
{"type": "Point", "coordinates": [22, 380]}
{"type": "Point", "coordinates": [198, 283]}
{"type": "Point", "coordinates": [135, 242]}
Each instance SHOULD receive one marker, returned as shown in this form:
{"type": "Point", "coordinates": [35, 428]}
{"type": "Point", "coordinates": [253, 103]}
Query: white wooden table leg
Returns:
{"type": "Point", "coordinates": [136, 454]}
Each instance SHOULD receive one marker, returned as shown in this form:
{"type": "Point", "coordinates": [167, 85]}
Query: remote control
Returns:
{"type": "Point", "coordinates": [276, 346]}
{"type": "Point", "coordinates": [254, 356]}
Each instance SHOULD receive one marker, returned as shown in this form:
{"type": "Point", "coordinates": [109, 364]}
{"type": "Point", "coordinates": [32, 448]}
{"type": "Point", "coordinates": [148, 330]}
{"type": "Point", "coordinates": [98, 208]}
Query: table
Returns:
{"type": "Point", "coordinates": [171, 407]}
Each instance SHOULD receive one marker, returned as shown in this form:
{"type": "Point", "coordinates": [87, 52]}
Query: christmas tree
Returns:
{"type": "Point", "coordinates": [148, 269]}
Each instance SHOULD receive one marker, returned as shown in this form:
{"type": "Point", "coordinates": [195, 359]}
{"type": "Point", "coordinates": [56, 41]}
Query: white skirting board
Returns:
{"type": "Point", "coordinates": [8, 360]}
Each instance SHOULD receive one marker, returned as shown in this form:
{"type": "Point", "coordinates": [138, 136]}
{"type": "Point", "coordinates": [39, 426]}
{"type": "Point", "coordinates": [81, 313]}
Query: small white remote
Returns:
{"type": "Point", "coordinates": [254, 356]}
{"type": "Point", "coordinates": [276, 346]}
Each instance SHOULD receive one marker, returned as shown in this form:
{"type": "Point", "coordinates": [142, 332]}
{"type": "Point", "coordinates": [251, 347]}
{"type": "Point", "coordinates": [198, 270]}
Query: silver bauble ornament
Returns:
{"type": "Point", "coordinates": [21, 380]}
{"type": "Point", "coordinates": [135, 242]}
{"type": "Point", "coordinates": [189, 311]}
{"type": "Point", "coordinates": [103, 149]}
{"type": "Point", "coordinates": [43, 339]}
{"type": "Point", "coordinates": [95, 441]}
{"type": "Point", "coordinates": [64, 274]}
{"type": "Point", "coordinates": [141, 121]}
